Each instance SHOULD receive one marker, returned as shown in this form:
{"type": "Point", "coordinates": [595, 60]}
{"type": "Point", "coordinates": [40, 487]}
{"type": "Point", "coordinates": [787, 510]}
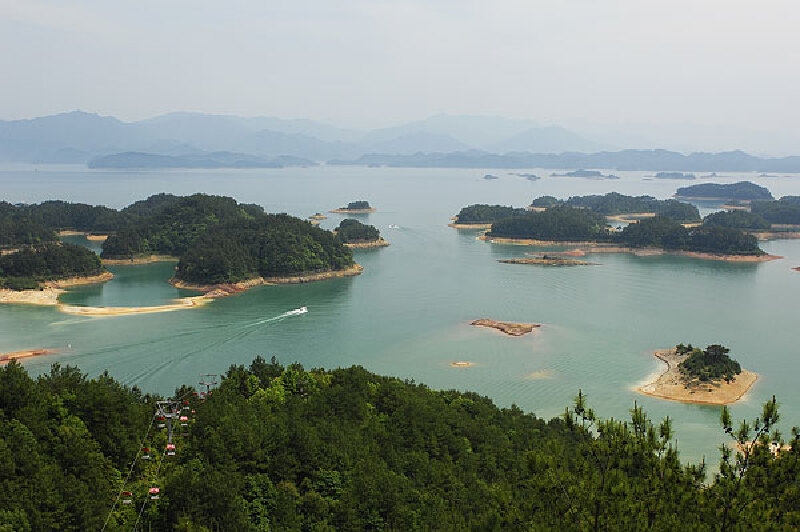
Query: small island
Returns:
{"type": "Point", "coordinates": [481, 216]}
{"type": "Point", "coordinates": [588, 174]}
{"type": "Point", "coordinates": [702, 376]}
{"type": "Point", "coordinates": [318, 216]}
{"type": "Point", "coordinates": [491, 177]}
{"type": "Point", "coordinates": [528, 176]}
{"type": "Point", "coordinates": [511, 329]}
{"type": "Point", "coordinates": [547, 260]}
{"type": "Point", "coordinates": [674, 175]}
{"type": "Point", "coordinates": [356, 235]}
{"type": "Point", "coordinates": [355, 207]}
{"type": "Point", "coordinates": [614, 204]}
{"type": "Point", "coordinates": [742, 191]}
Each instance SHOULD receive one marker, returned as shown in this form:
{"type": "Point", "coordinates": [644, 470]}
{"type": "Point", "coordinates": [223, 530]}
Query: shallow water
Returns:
{"type": "Point", "coordinates": [407, 314]}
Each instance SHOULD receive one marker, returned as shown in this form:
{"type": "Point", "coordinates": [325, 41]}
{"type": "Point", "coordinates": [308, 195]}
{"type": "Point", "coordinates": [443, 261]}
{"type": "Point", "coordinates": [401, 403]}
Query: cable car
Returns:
{"type": "Point", "coordinates": [186, 402]}
{"type": "Point", "coordinates": [170, 449]}
{"type": "Point", "coordinates": [161, 424]}
{"type": "Point", "coordinates": [194, 393]}
{"type": "Point", "coordinates": [193, 411]}
{"type": "Point", "coordinates": [145, 453]}
{"type": "Point", "coordinates": [127, 497]}
{"type": "Point", "coordinates": [154, 493]}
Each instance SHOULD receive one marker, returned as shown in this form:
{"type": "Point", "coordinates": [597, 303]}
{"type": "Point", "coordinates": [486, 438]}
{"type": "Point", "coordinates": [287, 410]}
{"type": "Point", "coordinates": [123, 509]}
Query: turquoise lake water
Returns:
{"type": "Point", "coordinates": [407, 314]}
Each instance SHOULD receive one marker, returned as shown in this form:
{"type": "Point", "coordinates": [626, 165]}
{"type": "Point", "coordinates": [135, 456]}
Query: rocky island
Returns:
{"type": "Point", "coordinates": [355, 207]}
{"type": "Point", "coordinates": [693, 375]}
{"type": "Point", "coordinates": [546, 260]}
{"type": "Point", "coordinates": [511, 329]}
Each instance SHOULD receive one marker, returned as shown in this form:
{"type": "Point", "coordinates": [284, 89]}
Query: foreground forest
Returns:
{"type": "Point", "coordinates": [284, 448]}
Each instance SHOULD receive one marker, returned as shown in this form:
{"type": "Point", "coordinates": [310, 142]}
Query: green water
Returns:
{"type": "Point", "coordinates": [407, 314]}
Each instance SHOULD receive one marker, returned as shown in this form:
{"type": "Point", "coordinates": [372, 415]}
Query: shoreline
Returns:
{"type": "Point", "coordinates": [671, 386]}
{"type": "Point", "coordinates": [380, 243]}
{"type": "Point", "coordinates": [226, 289]}
{"type": "Point", "coordinates": [48, 294]}
{"type": "Point", "coordinates": [595, 247]}
{"type": "Point", "coordinates": [775, 235]}
{"type": "Point", "coordinates": [180, 304]}
{"type": "Point", "coordinates": [5, 358]}
{"type": "Point", "coordinates": [88, 235]}
{"type": "Point", "coordinates": [147, 259]}
{"type": "Point", "coordinates": [456, 225]}
{"type": "Point", "coordinates": [354, 211]}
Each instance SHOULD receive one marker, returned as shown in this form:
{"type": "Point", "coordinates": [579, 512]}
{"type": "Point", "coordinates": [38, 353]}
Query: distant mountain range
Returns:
{"type": "Point", "coordinates": [79, 137]}
{"type": "Point", "coordinates": [195, 140]}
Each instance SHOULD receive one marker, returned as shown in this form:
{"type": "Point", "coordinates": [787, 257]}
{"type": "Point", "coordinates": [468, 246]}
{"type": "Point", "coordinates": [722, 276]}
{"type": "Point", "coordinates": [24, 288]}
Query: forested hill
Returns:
{"type": "Point", "coordinates": [615, 203]}
{"type": "Point", "coordinates": [284, 448]}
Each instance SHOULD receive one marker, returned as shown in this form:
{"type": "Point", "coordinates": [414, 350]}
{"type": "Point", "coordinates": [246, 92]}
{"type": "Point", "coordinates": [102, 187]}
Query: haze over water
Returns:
{"type": "Point", "coordinates": [407, 314]}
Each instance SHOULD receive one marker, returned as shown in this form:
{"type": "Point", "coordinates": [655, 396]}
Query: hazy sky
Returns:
{"type": "Point", "coordinates": [728, 68]}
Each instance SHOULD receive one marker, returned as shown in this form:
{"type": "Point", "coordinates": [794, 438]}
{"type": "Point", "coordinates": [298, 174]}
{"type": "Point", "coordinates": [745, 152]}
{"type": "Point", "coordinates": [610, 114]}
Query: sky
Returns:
{"type": "Point", "coordinates": [709, 74]}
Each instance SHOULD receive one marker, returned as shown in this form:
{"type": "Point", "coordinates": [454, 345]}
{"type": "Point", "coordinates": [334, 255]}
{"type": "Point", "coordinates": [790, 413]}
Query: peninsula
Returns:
{"type": "Point", "coordinates": [511, 329]}
{"type": "Point", "coordinates": [693, 375]}
{"type": "Point", "coordinates": [355, 207]}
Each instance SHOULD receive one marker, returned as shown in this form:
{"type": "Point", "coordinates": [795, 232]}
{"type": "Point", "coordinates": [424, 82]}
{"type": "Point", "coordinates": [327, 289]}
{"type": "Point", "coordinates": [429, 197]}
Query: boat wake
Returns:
{"type": "Point", "coordinates": [295, 312]}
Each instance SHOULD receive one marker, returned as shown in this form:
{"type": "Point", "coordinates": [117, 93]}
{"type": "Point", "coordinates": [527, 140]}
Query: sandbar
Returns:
{"type": "Point", "coordinates": [671, 384]}
{"type": "Point", "coordinates": [50, 290]}
{"type": "Point", "coordinates": [456, 225]}
{"type": "Point", "coordinates": [547, 260]}
{"type": "Point", "coordinates": [380, 243]}
{"type": "Point", "coordinates": [317, 217]}
{"type": "Point", "coordinates": [511, 329]}
{"type": "Point", "coordinates": [461, 364]}
{"type": "Point", "coordinates": [179, 304]}
{"type": "Point", "coordinates": [5, 358]}
{"type": "Point", "coordinates": [143, 259]}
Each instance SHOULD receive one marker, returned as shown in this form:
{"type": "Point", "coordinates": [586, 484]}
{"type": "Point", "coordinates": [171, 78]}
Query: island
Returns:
{"type": "Point", "coordinates": [589, 174]}
{"type": "Point", "coordinates": [481, 216]}
{"type": "Point", "coordinates": [742, 191]}
{"type": "Point", "coordinates": [563, 225]}
{"type": "Point", "coordinates": [703, 376]}
{"type": "Point", "coordinates": [356, 235]}
{"type": "Point", "coordinates": [355, 207]}
{"type": "Point", "coordinates": [674, 175]}
{"type": "Point", "coordinates": [528, 176]}
{"type": "Point", "coordinates": [511, 329]}
{"type": "Point", "coordinates": [461, 364]}
{"type": "Point", "coordinates": [491, 177]}
{"type": "Point", "coordinates": [615, 204]}
{"type": "Point", "coordinates": [546, 260]}
{"type": "Point", "coordinates": [318, 216]}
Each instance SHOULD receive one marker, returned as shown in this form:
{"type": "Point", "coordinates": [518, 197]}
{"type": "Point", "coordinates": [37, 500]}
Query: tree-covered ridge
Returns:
{"type": "Point", "coordinates": [556, 223]}
{"type": "Point", "coordinates": [285, 448]}
{"type": "Point", "coordinates": [737, 219]}
{"type": "Point", "coordinates": [50, 261]}
{"type": "Point", "coordinates": [174, 224]}
{"type": "Point", "coordinates": [352, 231]}
{"type": "Point", "coordinates": [615, 203]}
{"type": "Point", "coordinates": [709, 364]}
{"type": "Point", "coordinates": [18, 228]}
{"type": "Point", "coordinates": [783, 211]}
{"type": "Point", "coordinates": [661, 232]}
{"type": "Point", "coordinates": [483, 213]}
{"type": "Point", "coordinates": [743, 190]}
{"type": "Point", "coordinates": [262, 246]}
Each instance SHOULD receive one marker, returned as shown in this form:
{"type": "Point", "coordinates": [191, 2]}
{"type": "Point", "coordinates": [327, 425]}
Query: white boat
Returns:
{"type": "Point", "coordinates": [295, 312]}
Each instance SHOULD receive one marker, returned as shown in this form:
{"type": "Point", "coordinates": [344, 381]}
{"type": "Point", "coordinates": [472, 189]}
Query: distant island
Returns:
{"type": "Point", "coordinates": [566, 225]}
{"type": "Point", "coordinates": [220, 159]}
{"type": "Point", "coordinates": [511, 329]}
{"type": "Point", "coordinates": [355, 207]}
{"type": "Point", "coordinates": [355, 234]}
{"type": "Point", "coordinates": [674, 175]}
{"type": "Point", "coordinates": [491, 177]}
{"type": "Point", "coordinates": [318, 216]}
{"type": "Point", "coordinates": [590, 174]}
{"type": "Point", "coordinates": [528, 176]}
{"type": "Point", "coordinates": [704, 376]}
{"type": "Point", "coordinates": [742, 191]}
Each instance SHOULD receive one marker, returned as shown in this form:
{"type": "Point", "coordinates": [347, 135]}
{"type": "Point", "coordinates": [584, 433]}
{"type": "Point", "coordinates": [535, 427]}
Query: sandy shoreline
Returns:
{"type": "Point", "coordinates": [456, 225]}
{"type": "Point", "coordinates": [547, 261]}
{"type": "Point", "coordinates": [380, 243]}
{"type": "Point", "coordinates": [671, 385]}
{"type": "Point", "coordinates": [595, 247]}
{"type": "Point", "coordinates": [226, 289]}
{"type": "Point", "coordinates": [48, 295]}
{"type": "Point", "coordinates": [140, 260]}
{"type": "Point", "coordinates": [180, 304]}
{"type": "Point", "coordinates": [5, 358]}
{"type": "Point", "coordinates": [775, 235]}
{"type": "Point", "coordinates": [511, 329]}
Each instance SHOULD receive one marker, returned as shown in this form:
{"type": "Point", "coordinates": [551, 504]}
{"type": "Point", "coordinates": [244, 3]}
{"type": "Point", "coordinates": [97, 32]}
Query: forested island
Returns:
{"type": "Point", "coordinates": [33, 265]}
{"type": "Point", "coordinates": [355, 234]}
{"type": "Point", "coordinates": [742, 191]}
{"type": "Point", "coordinates": [614, 203]}
{"type": "Point", "coordinates": [674, 175]}
{"type": "Point", "coordinates": [287, 448]}
{"type": "Point", "coordinates": [694, 375]}
{"type": "Point", "coordinates": [580, 226]}
{"type": "Point", "coordinates": [481, 215]}
{"type": "Point", "coordinates": [589, 174]}
{"type": "Point", "coordinates": [356, 207]}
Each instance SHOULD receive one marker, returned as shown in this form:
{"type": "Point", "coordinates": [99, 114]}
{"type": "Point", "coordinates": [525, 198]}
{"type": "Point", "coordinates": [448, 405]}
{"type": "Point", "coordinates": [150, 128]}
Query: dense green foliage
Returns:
{"type": "Point", "coordinates": [353, 231]}
{"type": "Point", "coordinates": [482, 213]}
{"type": "Point", "coordinates": [737, 219]}
{"type": "Point", "coordinates": [556, 223]}
{"type": "Point", "coordinates": [357, 205]}
{"type": "Point", "coordinates": [616, 203]}
{"type": "Point", "coordinates": [49, 261]}
{"type": "Point", "coordinates": [783, 211]}
{"type": "Point", "coordinates": [266, 245]}
{"type": "Point", "coordinates": [661, 232]}
{"type": "Point", "coordinates": [743, 190]}
{"type": "Point", "coordinates": [286, 449]}
{"type": "Point", "coordinates": [76, 216]}
{"type": "Point", "coordinates": [18, 228]}
{"type": "Point", "coordinates": [709, 364]}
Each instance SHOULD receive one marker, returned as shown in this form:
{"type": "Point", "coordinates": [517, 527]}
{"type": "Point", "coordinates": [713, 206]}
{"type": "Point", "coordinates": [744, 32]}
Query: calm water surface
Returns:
{"type": "Point", "coordinates": [407, 314]}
